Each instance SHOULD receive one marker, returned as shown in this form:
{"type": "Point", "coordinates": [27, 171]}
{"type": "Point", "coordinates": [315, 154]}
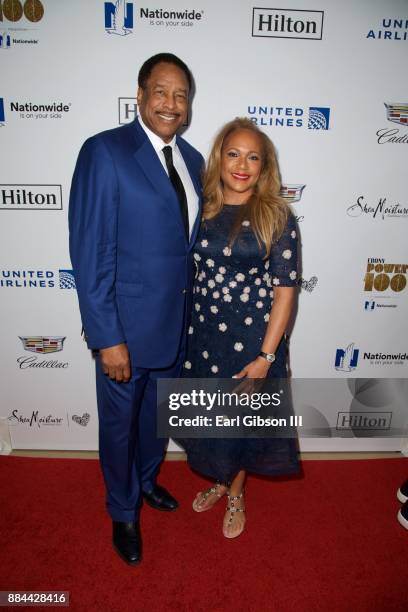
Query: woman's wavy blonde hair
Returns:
{"type": "Point", "coordinates": [266, 210]}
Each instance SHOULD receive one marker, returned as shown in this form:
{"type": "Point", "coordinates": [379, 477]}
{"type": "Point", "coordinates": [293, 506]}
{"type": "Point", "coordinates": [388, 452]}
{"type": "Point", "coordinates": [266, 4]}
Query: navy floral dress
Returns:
{"type": "Point", "coordinates": [232, 299]}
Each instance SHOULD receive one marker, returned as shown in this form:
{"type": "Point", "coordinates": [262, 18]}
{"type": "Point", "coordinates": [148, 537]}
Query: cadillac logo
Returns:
{"type": "Point", "coordinates": [397, 113]}
{"type": "Point", "coordinates": [292, 193]}
{"type": "Point", "coordinates": [43, 344]}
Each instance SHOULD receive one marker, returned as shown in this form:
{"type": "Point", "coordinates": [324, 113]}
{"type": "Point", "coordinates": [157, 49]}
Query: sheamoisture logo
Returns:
{"type": "Point", "coordinates": [35, 419]}
{"type": "Point", "coordinates": [381, 209]}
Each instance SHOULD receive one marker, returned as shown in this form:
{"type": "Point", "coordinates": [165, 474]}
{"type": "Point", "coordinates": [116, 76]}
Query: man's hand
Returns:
{"type": "Point", "coordinates": [115, 362]}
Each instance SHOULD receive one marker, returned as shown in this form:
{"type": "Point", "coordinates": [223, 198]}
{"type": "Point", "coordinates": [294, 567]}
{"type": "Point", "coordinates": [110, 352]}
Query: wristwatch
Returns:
{"type": "Point", "coordinates": [270, 357]}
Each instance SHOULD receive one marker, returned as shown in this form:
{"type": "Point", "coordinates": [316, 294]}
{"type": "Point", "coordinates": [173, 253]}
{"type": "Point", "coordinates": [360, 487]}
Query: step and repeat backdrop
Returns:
{"type": "Point", "coordinates": [325, 80]}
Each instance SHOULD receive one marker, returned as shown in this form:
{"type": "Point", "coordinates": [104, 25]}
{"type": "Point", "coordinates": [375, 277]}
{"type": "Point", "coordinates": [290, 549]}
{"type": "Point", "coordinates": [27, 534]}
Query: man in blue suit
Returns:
{"type": "Point", "coordinates": [134, 213]}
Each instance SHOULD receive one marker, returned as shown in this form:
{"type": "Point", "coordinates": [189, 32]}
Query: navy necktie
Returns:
{"type": "Point", "coordinates": [178, 186]}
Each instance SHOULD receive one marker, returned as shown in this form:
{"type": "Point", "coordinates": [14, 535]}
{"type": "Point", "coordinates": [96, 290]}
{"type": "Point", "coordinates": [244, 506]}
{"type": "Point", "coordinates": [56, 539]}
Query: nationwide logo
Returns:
{"type": "Point", "coordinates": [292, 193]}
{"type": "Point", "coordinates": [5, 40]}
{"type": "Point", "coordinates": [119, 17]}
{"type": "Point", "coordinates": [308, 285]}
{"type": "Point", "coordinates": [371, 305]}
{"type": "Point", "coordinates": [35, 419]}
{"type": "Point", "coordinates": [37, 279]}
{"type": "Point", "coordinates": [30, 197]}
{"type": "Point", "coordinates": [16, 16]}
{"type": "Point", "coordinates": [390, 29]}
{"type": "Point", "coordinates": [82, 420]}
{"type": "Point", "coordinates": [287, 23]}
{"type": "Point", "coordinates": [381, 276]}
{"type": "Point", "coordinates": [380, 210]}
{"type": "Point", "coordinates": [314, 117]}
{"type": "Point", "coordinates": [43, 344]}
{"type": "Point", "coordinates": [396, 112]}
{"type": "Point", "coordinates": [346, 359]}
{"type": "Point", "coordinates": [29, 110]}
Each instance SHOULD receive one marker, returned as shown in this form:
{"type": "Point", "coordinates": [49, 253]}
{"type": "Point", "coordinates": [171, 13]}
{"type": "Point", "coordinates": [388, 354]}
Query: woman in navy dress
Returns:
{"type": "Point", "coordinates": [244, 293]}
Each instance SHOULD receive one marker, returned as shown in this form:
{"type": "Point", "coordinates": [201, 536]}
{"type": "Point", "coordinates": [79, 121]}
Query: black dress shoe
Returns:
{"type": "Point", "coordinates": [127, 541]}
{"type": "Point", "coordinates": [160, 499]}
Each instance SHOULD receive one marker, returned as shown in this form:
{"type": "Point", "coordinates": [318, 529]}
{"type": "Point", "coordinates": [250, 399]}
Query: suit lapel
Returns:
{"type": "Point", "coordinates": [151, 166]}
{"type": "Point", "coordinates": [195, 177]}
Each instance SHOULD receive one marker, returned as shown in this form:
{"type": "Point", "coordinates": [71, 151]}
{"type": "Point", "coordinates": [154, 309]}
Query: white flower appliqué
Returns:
{"type": "Point", "coordinates": [222, 327]}
{"type": "Point", "coordinates": [287, 254]}
{"type": "Point", "coordinates": [214, 309]}
{"type": "Point", "coordinates": [204, 243]}
{"type": "Point", "coordinates": [293, 275]}
{"type": "Point", "coordinates": [227, 251]}
{"type": "Point", "coordinates": [210, 263]}
{"type": "Point", "coordinates": [238, 346]}
{"type": "Point", "coordinates": [248, 321]}
{"type": "Point", "coordinates": [187, 365]}
{"type": "Point", "coordinates": [214, 369]}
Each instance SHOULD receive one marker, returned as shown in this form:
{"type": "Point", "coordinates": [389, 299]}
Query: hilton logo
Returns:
{"type": "Point", "coordinates": [364, 420]}
{"type": "Point", "coordinates": [30, 197]}
{"type": "Point", "coordinates": [287, 23]}
{"type": "Point", "coordinates": [127, 110]}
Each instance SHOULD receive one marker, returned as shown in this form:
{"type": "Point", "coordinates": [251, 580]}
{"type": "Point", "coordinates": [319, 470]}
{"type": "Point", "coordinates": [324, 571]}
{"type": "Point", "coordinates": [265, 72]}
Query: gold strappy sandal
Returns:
{"type": "Point", "coordinates": [232, 509]}
{"type": "Point", "coordinates": [202, 497]}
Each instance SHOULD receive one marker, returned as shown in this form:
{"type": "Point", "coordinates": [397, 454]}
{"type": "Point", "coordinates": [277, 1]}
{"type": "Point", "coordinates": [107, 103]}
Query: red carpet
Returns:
{"type": "Point", "coordinates": [328, 540]}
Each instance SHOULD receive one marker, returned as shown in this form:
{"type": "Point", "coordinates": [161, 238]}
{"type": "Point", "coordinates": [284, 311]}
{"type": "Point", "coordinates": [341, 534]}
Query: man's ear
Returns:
{"type": "Point", "coordinates": [139, 95]}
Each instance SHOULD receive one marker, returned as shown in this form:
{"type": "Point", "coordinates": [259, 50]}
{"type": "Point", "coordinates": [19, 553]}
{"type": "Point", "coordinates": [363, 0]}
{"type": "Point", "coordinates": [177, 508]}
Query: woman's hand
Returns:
{"type": "Point", "coordinates": [255, 369]}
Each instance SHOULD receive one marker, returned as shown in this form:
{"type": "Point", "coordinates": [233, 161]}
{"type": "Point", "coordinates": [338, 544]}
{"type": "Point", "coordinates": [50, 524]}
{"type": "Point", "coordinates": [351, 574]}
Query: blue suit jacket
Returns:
{"type": "Point", "coordinates": [131, 260]}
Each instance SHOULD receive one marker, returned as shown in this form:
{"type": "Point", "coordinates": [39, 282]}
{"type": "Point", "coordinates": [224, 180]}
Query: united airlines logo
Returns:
{"type": "Point", "coordinates": [397, 113]}
{"type": "Point", "coordinates": [319, 118]}
{"type": "Point", "coordinates": [346, 359]}
{"type": "Point", "coordinates": [273, 115]}
{"type": "Point", "coordinates": [66, 279]}
{"type": "Point", "coordinates": [43, 344]}
{"type": "Point", "coordinates": [292, 193]}
{"type": "Point", "coordinates": [119, 17]}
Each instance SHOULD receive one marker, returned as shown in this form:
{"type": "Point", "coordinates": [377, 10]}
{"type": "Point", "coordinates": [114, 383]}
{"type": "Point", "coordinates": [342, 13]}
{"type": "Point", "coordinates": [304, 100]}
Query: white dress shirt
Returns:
{"type": "Point", "coordinates": [180, 166]}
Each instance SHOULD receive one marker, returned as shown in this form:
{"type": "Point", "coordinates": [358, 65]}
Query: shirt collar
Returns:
{"type": "Point", "coordinates": [156, 141]}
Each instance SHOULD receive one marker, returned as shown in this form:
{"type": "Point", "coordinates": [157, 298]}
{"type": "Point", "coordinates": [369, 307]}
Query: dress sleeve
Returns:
{"type": "Point", "coordinates": [283, 259]}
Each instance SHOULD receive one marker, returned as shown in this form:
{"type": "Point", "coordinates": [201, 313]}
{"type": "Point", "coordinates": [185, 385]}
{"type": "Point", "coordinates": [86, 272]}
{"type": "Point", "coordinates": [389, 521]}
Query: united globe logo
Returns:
{"type": "Point", "coordinates": [319, 118]}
